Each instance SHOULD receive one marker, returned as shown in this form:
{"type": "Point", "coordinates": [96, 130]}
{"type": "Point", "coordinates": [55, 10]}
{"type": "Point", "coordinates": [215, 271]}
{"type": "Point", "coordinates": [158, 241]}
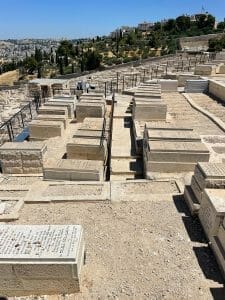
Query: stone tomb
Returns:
{"type": "Point", "coordinates": [205, 70]}
{"type": "Point", "coordinates": [168, 85]}
{"type": "Point", "coordinates": [22, 158]}
{"type": "Point", "coordinates": [152, 111]}
{"type": "Point", "coordinates": [166, 156]}
{"type": "Point", "coordinates": [68, 106]}
{"type": "Point", "coordinates": [178, 151]}
{"type": "Point", "coordinates": [92, 124]}
{"type": "Point", "coordinates": [148, 94]}
{"type": "Point", "coordinates": [53, 110]}
{"type": "Point", "coordinates": [94, 110]}
{"type": "Point", "coordinates": [212, 211]}
{"type": "Point", "coordinates": [92, 95]}
{"type": "Point", "coordinates": [89, 134]}
{"type": "Point", "coordinates": [70, 100]}
{"type": "Point", "coordinates": [171, 135]}
{"type": "Point", "coordinates": [206, 175]}
{"type": "Point", "coordinates": [87, 148]}
{"type": "Point", "coordinates": [41, 130]}
{"type": "Point", "coordinates": [75, 170]}
{"type": "Point", "coordinates": [210, 175]}
{"type": "Point", "coordinates": [218, 247]}
{"type": "Point", "coordinates": [40, 259]}
{"type": "Point", "coordinates": [53, 118]}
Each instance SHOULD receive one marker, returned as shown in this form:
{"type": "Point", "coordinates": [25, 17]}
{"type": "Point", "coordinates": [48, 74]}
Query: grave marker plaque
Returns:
{"type": "Point", "coordinates": [40, 259]}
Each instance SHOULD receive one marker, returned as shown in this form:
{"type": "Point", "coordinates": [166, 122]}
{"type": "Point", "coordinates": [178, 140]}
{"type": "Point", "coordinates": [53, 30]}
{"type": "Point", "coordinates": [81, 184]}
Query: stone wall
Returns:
{"type": "Point", "coordinates": [198, 43]}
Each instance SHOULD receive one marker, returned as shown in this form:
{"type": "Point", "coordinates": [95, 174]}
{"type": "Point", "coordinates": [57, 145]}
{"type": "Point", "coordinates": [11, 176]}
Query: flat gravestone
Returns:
{"type": "Point", "coordinates": [92, 124]}
{"type": "Point", "coordinates": [210, 175]}
{"type": "Point", "coordinates": [178, 147]}
{"type": "Point", "coordinates": [167, 151]}
{"type": "Point", "coordinates": [172, 135]}
{"type": "Point", "coordinates": [40, 259]}
{"type": "Point", "coordinates": [75, 170]}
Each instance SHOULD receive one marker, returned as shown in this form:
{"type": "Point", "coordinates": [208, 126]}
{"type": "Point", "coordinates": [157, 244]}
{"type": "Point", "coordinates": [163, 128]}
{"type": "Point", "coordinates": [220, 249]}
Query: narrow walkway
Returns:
{"type": "Point", "coordinates": [125, 163]}
{"type": "Point", "coordinates": [213, 106]}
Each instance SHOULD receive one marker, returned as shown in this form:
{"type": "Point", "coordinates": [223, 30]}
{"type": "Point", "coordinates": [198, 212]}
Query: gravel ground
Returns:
{"type": "Point", "coordinates": [135, 253]}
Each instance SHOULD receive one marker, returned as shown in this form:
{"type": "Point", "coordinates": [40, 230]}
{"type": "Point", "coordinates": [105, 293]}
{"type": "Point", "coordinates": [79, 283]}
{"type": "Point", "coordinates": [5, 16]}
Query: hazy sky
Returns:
{"type": "Point", "coordinates": [74, 19]}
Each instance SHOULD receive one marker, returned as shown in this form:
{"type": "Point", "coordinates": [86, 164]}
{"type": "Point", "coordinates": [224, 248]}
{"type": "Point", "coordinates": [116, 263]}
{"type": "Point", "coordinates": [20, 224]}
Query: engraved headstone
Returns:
{"type": "Point", "coordinates": [40, 259]}
{"type": "Point", "coordinates": [210, 175]}
{"type": "Point", "coordinates": [212, 210]}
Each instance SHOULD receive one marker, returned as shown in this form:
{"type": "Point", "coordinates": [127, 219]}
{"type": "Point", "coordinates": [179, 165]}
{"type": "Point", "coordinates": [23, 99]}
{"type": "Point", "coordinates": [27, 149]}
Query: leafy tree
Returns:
{"type": "Point", "coordinates": [38, 55]}
{"type": "Point", "coordinates": [66, 48]}
{"type": "Point", "coordinates": [221, 25]}
{"type": "Point", "coordinates": [30, 64]}
{"type": "Point", "coordinates": [217, 44]}
{"type": "Point", "coordinates": [131, 38]}
{"type": "Point", "coordinates": [155, 40]}
{"type": "Point", "coordinates": [183, 23]}
{"type": "Point", "coordinates": [170, 25]}
{"type": "Point", "coordinates": [92, 60]}
{"type": "Point", "coordinates": [203, 20]}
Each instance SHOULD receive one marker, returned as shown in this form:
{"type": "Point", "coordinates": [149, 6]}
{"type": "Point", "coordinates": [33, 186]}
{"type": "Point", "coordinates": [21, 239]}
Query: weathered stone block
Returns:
{"type": "Point", "coordinates": [212, 211]}
{"type": "Point", "coordinates": [90, 149]}
{"type": "Point", "coordinates": [210, 175]}
{"type": "Point", "coordinates": [75, 170]}
{"type": "Point", "coordinates": [40, 259]}
{"type": "Point", "coordinates": [42, 130]}
{"type": "Point", "coordinates": [91, 110]}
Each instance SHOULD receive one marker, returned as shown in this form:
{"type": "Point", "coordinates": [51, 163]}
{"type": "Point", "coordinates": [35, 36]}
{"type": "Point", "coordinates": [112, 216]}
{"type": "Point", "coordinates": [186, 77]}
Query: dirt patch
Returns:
{"type": "Point", "coordinates": [9, 77]}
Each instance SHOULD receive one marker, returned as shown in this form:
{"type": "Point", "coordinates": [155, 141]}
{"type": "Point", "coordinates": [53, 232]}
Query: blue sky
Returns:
{"type": "Point", "coordinates": [74, 19]}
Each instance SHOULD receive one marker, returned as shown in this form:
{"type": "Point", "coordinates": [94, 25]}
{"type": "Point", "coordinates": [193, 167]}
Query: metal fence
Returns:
{"type": "Point", "coordinates": [14, 126]}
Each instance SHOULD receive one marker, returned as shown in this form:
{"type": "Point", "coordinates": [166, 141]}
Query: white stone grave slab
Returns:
{"type": "Point", "coordinates": [212, 211]}
{"type": "Point", "coordinates": [40, 259]}
{"type": "Point", "coordinates": [210, 175]}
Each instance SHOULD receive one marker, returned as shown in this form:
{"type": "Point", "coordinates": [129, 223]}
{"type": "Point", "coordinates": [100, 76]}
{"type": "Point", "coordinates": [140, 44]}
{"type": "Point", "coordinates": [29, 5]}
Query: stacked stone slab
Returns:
{"type": "Point", "coordinates": [205, 70]}
{"type": "Point", "coordinates": [148, 105]}
{"type": "Point", "coordinates": [58, 118]}
{"type": "Point", "coordinates": [196, 86]}
{"type": "Point", "coordinates": [40, 259]}
{"type": "Point", "coordinates": [22, 158]}
{"type": "Point", "coordinates": [90, 105]}
{"type": "Point", "coordinates": [171, 135]}
{"type": "Point", "coordinates": [42, 129]}
{"type": "Point", "coordinates": [212, 211]}
{"type": "Point", "coordinates": [168, 85]}
{"type": "Point", "coordinates": [87, 148]}
{"type": "Point", "coordinates": [53, 110]}
{"type": "Point", "coordinates": [172, 151]}
{"type": "Point", "coordinates": [75, 170]}
{"type": "Point", "coordinates": [69, 106]}
{"type": "Point", "coordinates": [52, 119]}
{"type": "Point", "coordinates": [89, 141]}
{"type": "Point", "coordinates": [140, 127]}
{"type": "Point", "coordinates": [218, 246]}
{"type": "Point", "coordinates": [86, 153]}
{"type": "Point", "coordinates": [183, 77]}
{"type": "Point", "coordinates": [206, 175]}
